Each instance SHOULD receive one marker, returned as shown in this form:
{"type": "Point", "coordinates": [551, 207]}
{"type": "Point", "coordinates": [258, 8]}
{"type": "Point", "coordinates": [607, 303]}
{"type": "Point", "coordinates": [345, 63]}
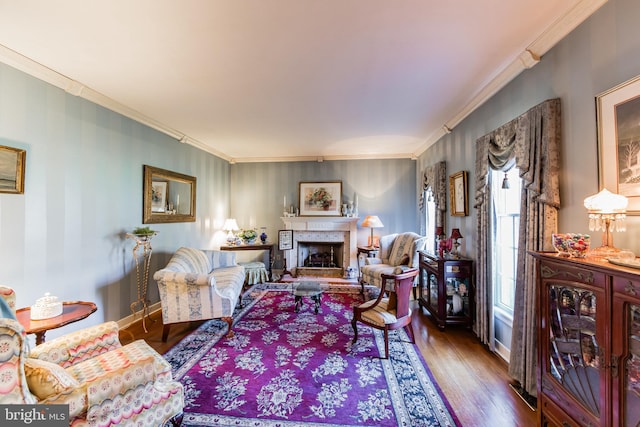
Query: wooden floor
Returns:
{"type": "Point", "coordinates": [474, 380]}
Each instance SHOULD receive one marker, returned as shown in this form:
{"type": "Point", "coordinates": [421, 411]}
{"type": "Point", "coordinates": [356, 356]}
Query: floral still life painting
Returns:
{"type": "Point", "coordinates": [320, 198]}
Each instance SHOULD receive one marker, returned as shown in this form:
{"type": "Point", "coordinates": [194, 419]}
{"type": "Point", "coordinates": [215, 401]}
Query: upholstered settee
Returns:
{"type": "Point", "coordinates": [398, 253]}
{"type": "Point", "coordinates": [103, 382]}
{"type": "Point", "coordinates": [199, 284]}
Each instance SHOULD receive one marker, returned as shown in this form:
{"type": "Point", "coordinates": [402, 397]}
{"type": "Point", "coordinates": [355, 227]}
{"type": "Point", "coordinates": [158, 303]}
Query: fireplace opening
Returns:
{"type": "Point", "coordinates": [320, 254]}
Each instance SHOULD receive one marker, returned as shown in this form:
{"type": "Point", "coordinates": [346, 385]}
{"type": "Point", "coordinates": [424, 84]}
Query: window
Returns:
{"type": "Point", "coordinates": [506, 220]}
{"type": "Point", "coordinates": [430, 220]}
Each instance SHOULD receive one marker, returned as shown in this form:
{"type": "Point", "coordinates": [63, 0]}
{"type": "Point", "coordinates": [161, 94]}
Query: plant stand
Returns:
{"type": "Point", "coordinates": [143, 243]}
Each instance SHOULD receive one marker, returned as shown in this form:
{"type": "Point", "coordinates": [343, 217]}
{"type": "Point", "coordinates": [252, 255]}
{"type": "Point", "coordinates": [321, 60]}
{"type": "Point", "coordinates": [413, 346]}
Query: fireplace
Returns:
{"type": "Point", "coordinates": [321, 245]}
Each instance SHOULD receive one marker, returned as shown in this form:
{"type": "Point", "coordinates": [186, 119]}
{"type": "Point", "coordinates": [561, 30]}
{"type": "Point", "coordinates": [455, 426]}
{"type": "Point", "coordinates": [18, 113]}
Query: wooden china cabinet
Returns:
{"type": "Point", "coordinates": [446, 289]}
{"type": "Point", "coordinates": [588, 342]}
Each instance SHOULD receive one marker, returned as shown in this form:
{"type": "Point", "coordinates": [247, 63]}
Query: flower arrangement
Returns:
{"type": "Point", "coordinates": [320, 197]}
{"type": "Point", "coordinates": [248, 234]}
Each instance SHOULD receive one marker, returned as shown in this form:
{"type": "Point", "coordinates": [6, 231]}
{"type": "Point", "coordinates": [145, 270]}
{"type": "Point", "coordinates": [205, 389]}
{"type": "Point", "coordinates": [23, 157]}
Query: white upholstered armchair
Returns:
{"type": "Point", "coordinates": [398, 253]}
{"type": "Point", "coordinates": [197, 285]}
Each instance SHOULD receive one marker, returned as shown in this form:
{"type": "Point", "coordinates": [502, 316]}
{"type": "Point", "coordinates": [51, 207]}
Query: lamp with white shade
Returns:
{"type": "Point", "coordinates": [607, 212]}
{"type": "Point", "coordinates": [230, 226]}
{"type": "Point", "coordinates": [372, 221]}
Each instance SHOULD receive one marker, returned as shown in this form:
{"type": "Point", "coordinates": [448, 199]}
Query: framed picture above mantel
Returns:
{"type": "Point", "coordinates": [618, 115]}
{"type": "Point", "coordinates": [12, 165]}
{"type": "Point", "coordinates": [320, 198]}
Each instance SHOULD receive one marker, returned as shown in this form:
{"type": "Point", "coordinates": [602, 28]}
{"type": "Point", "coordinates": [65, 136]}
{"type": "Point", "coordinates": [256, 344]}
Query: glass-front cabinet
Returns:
{"type": "Point", "coordinates": [446, 289]}
{"type": "Point", "coordinates": [588, 342]}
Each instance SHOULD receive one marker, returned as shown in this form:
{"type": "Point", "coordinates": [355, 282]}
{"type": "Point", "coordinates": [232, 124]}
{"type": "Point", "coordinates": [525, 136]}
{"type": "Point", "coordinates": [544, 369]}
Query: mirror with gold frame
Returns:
{"type": "Point", "coordinates": [168, 196]}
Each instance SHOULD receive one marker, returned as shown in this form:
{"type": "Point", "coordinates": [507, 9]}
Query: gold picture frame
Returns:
{"type": "Point", "coordinates": [12, 165]}
{"type": "Point", "coordinates": [320, 198]}
{"type": "Point", "coordinates": [618, 118]}
{"type": "Point", "coordinates": [458, 194]}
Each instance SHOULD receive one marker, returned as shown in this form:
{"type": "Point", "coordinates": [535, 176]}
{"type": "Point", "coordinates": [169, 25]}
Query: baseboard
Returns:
{"type": "Point", "coordinates": [133, 318]}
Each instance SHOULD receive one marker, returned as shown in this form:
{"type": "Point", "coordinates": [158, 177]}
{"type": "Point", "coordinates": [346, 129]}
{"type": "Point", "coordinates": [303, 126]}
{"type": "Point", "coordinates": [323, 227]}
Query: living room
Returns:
{"type": "Point", "coordinates": [84, 170]}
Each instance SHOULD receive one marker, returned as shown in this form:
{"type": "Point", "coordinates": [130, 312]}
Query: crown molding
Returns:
{"type": "Point", "coordinates": [75, 88]}
{"type": "Point", "coordinates": [320, 159]}
{"type": "Point", "coordinates": [525, 60]}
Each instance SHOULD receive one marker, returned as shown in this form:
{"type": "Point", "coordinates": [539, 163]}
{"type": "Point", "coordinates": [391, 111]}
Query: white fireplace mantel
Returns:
{"type": "Point", "coordinates": [345, 227]}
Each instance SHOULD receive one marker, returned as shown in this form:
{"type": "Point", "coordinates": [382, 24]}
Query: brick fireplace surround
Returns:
{"type": "Point", "coordinates": [322, 230]}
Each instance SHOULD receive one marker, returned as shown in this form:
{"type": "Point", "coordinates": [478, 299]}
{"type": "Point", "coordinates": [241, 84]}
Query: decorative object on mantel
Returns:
{"type": "Point", "coordinates": [230, 225]}
{"type": "Point", "coordinates": [263, 235]}
{"type": "Point", "coordinates": [439, 238]}
{"type": "Point", "coordinates": [455, 235]}
{"type": "Point", "coordinates": [372, 221]}
{"type": "Point", "coordinates": [46, 307]}
{"type": "Point", "coordinates": [607, 212]}
{"type": "Point", "coordinates": [142, 236]}
{"type": "Point", "coordinates": [248, 235]}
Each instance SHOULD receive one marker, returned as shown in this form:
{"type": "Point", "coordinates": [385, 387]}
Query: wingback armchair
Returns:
{"type": "Point", "coordinates": [103, 382]}
{"type": "Point", "coordinates": [398, 253]}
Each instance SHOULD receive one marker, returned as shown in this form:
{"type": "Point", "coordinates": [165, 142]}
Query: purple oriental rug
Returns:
{"type": "Point", "coordinates": [292, 369]}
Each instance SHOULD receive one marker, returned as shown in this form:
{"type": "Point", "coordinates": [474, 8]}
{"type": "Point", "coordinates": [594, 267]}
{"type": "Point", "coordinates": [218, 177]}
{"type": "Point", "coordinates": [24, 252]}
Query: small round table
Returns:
{"type": "Point", "coordinates": [71, 312]}
{"type": "Point", "coordinates": [312, 290]}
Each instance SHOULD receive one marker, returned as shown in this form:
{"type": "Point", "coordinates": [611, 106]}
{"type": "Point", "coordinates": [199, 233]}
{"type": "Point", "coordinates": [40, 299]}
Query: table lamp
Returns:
{"type": "Point", "coordinates": [230, 225]}
{"type": "Point", "coordinates": [372, 221]}
{"type": "Point", "coordinates": [607, 213]}
{"type": "Point", "coordinates": [455, 235]}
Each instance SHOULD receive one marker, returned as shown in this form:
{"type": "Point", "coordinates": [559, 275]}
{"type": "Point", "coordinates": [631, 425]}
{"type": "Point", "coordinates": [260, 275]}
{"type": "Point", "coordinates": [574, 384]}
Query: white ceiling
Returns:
{"type": "Point", "coordinates": [256, 80]}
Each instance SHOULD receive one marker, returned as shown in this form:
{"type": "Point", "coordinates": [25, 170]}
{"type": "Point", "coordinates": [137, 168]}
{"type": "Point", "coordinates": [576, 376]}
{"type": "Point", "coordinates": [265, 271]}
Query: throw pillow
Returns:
{"type": "Point", "coordinates": [404, 260]}
{"type": "Point", "coordinates": [46, 379]}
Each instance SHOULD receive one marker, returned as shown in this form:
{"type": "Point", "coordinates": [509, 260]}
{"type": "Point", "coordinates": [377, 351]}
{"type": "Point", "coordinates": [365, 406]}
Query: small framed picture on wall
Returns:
{"type": "Point", "coordinates": [458, 194]}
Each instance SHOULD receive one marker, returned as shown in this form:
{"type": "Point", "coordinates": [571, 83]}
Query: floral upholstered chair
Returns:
{"type": "Point", "coordinates": [103, 382]}
{"type": "Point", "coordinates": [398, 253]}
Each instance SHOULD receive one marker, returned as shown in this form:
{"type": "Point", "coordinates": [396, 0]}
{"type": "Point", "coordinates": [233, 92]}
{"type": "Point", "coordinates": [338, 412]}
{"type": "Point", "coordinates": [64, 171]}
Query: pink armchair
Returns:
{"type": "Point", "coordinates": [103, 382]}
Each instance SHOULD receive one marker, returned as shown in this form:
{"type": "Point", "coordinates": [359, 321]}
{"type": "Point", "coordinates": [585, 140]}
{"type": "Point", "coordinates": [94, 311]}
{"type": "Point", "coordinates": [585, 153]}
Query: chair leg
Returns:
{"type": "Point", "coordinates": [410, 333]}
{"type": "Point", "coordinates": [165, 332]}
{"type": "Point", "coordinates": [386, 343]}
{"type": "Point", "coordinates": [355, 330]}
{"type": "Point", "coordinates": [229, 321]}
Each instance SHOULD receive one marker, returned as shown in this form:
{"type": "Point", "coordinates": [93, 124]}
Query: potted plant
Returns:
{"type": "Point", "coordinates": [248, 235]}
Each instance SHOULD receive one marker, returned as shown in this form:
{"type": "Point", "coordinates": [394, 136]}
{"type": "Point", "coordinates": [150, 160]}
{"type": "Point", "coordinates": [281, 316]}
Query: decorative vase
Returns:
{"type": "Point", "coordinates": [263, 237]}
{"type": "Point", "coordinates": [249, 241]}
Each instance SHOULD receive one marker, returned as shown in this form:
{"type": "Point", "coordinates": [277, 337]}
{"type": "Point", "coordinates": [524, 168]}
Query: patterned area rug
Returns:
{"type": "Point", "coordinates": [299, 369]}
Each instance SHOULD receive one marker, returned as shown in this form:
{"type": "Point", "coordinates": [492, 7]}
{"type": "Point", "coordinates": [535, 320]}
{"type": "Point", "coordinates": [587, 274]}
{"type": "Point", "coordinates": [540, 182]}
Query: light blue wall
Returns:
{"type": "Point", "coordinates": [83, 191]}
{"type": "Point", "coordinates": [386, 188]}
{"type": "Point", "coordinates": [601, 53]}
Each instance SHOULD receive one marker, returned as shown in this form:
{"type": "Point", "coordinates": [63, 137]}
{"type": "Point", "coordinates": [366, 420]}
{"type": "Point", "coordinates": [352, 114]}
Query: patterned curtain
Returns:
{"type": "Point", "coordinates": [532, 141]}
{"type": "Point", "coordinates": [435, 177]}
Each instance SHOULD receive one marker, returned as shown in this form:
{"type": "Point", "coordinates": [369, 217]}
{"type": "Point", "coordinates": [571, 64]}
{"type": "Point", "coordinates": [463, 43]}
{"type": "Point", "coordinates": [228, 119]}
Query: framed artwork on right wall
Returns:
{"type": "Point", "coordinates": [458, 194]}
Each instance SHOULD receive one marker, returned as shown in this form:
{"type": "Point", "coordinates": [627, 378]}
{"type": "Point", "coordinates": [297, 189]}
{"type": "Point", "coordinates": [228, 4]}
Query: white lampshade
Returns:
{"type": "Point", "coordinates": [230, 224]}
{"type": "Point", "coordinates": [606, 202]}
{"type": "Point", "coordinates": [372, 221]}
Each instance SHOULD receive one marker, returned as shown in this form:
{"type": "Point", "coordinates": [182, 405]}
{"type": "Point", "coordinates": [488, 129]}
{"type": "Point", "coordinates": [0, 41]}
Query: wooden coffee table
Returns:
{"type": "Point", "coordinates": [71, 312]}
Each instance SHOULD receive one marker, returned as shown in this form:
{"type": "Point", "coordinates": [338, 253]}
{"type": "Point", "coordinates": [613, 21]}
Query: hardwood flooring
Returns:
{"type": "Point", "coordinates": [474, 380]}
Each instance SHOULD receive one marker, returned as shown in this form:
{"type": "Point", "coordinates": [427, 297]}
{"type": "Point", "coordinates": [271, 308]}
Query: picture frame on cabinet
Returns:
{"type": "Point", "coordinates": [618, 126]}
{"type": "Point", "coordinates": [458, 194]}
{"type": "Point", "coordinates": [320, 198]}
{"type": "Point", "coordinates": [12, 166]}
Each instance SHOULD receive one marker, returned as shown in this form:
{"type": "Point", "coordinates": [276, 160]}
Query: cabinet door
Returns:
{"type": "Point", "coordinates": [625, 358]}
{"type": "Point", "coordinates": [574, 342]}
{"type": "Point", "coordinates": [458, 296]}
{"type": "Point", "coordinates": [432, 291]}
